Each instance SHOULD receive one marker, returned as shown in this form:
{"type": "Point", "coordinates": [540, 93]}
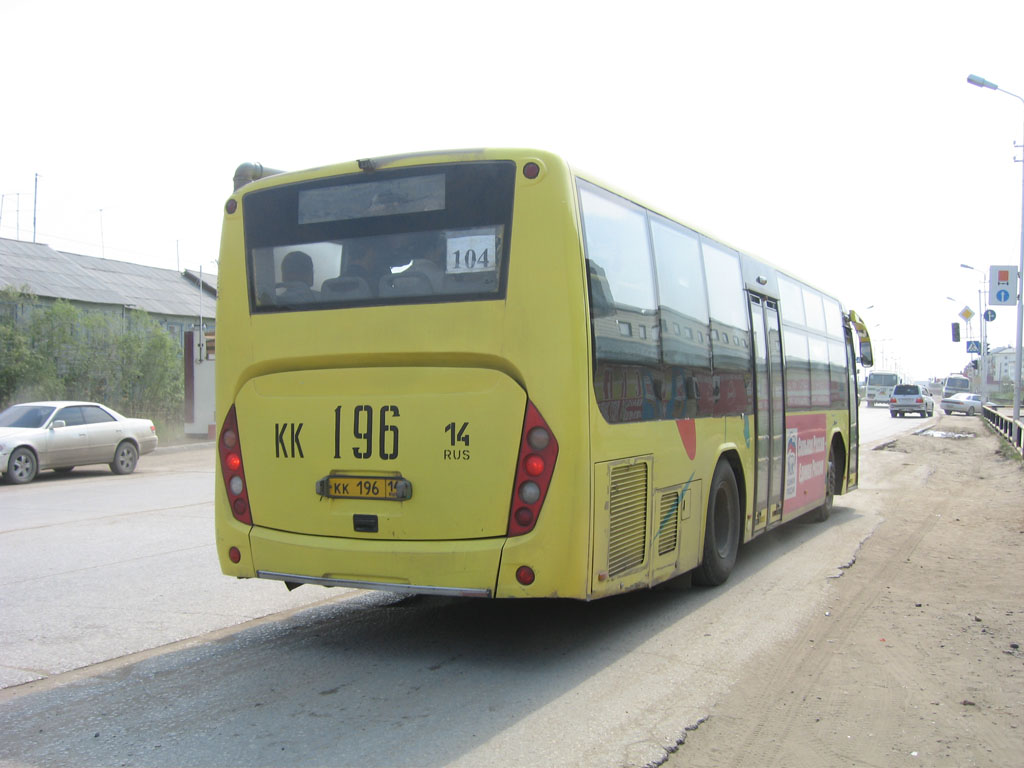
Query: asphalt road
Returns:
{"type": "Point", "coordinates": [122, 644]}
{"type": "Point", "coordinates": [95, 566]}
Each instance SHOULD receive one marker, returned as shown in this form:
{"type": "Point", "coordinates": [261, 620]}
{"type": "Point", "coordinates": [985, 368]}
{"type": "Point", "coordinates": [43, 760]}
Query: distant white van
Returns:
{"type": "Point", "coordinates": [954, 384]}
{"type": "Point", "coordinates": [879, 387]}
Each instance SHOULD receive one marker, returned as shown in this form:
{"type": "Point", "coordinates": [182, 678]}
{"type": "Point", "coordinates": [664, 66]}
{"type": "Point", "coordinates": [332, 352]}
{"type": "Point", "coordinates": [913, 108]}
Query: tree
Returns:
{"type": "Point", "coordinates": [25, 372]}
{"type": "Point", "coordinates": [60, 351]}
{"type": "Point", "coordinates": [153, 380]}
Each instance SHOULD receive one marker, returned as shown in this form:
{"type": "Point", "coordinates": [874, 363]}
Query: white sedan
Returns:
{"type": "Point", "coordinates": [962, 402]}
{"type": "Point", "coordinates": [63, 434]}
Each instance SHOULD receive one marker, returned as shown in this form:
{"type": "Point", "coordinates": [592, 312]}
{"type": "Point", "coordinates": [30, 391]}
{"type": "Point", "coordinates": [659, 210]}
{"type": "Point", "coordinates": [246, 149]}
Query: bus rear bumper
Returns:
{"type": "Point", "coordinates": [456, 568]}
{"type": "Point", "coordinates": [417, 589]}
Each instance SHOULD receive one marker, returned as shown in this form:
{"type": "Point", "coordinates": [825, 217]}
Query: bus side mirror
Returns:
{"type": "Point", "coordinates": [866, 358]}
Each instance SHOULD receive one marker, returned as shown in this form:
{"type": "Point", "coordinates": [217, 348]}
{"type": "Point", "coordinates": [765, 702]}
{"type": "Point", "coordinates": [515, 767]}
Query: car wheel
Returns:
{"type": "Point", "coordinates": [22, 467]}
{"type": "Point", "coordinates": [62, 470]}
{"type": "Point", "coordinates": [722, 529]}
{"type": "Point", "coordinates": [970, 411]}
{"type": "Point", "coordinates": [946, 412]}
{"type": "Point", "coordinates": [821, 514]}
{"type": "Point", "coordinates": [892, 414]}
{"type": "Point", "coordinates": [125, 458]}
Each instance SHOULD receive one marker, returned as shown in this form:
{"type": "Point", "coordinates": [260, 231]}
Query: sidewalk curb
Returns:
{"type": "Point", "coordinates": [179, 447]}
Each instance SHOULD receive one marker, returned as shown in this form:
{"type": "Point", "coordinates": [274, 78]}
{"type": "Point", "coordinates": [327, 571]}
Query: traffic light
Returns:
{"type": "Point", "coordinates": [956, 331]}
{"type": "Point", "coordinates": [974, 364]}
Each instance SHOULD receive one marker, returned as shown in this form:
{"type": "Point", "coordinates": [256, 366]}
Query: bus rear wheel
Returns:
{"type": "Point", "coordinates": [722, 529]}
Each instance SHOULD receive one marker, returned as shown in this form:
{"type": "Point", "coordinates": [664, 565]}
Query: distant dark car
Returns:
{"type": "Point", "coordinates": [62, 434]}
{"type": "Point", "coordinates": [962, 402]}
{"type": "Point", "coordinates": [911, 398]}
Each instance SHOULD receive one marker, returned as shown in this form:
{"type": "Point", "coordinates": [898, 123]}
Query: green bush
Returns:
{"type": "Point", "coordinates": [60, 352]}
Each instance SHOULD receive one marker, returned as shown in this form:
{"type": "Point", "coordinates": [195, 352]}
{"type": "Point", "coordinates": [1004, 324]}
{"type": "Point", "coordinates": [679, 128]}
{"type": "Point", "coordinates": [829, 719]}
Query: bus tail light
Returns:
{"type": "Point", "coordinates": [230, 449]}
{"type": "Point", "coordinates": [538, 450]}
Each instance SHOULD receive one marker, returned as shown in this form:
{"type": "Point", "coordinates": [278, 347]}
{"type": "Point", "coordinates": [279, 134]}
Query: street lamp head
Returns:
{"type": "Point", "coordinates": [981, 82]}
{"type": "Point", "coordinates": [967, 266]}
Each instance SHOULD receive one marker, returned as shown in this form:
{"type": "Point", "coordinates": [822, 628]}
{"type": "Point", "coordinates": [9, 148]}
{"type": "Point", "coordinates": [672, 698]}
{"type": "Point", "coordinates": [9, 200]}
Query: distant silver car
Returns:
{"type": "Point", "coordinates": [911, 398]}
{"type": "Point", "coordinates": [962, 402]}
{"type": "Point", "coordinates": [63, 434]}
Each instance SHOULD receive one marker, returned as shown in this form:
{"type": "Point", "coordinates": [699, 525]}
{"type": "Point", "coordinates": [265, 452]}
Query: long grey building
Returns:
{"type": "Point", "coordinates": [179, 301]}
{"type": "Point", "coordinates": [183, 303]}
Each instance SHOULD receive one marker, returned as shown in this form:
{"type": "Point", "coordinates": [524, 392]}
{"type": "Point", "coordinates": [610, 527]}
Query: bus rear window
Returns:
{"type": "Point", "coordinates": [882, 380]}
{"type": "Point", "coordinates": [438, 233]}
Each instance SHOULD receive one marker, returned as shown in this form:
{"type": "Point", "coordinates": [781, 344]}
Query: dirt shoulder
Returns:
{"type": "Point", "coordinates": [918, 659]}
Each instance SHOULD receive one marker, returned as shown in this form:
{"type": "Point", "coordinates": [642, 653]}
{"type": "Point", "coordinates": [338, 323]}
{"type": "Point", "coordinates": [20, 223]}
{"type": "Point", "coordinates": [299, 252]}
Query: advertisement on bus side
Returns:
{"type": "Point", "coordinates": [805, 461]}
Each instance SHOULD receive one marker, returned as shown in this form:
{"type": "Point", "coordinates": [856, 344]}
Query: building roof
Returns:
{"type": "Point", "coordinates": [57, 275]}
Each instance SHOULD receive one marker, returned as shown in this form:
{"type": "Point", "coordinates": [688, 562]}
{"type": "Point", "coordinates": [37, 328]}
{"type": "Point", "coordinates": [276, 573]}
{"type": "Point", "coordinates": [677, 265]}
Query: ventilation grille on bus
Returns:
{"type": "Point", "coordinates": [627, 508]}
{"type": "Point", "coordinates": [668, 522]}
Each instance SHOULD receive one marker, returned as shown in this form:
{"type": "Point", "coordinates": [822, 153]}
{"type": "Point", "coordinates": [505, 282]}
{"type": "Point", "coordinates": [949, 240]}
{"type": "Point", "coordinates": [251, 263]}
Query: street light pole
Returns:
{"type": "Point", "coordinates": [983, 83]}
{"type": "Point", "coordinates": [983, 353]}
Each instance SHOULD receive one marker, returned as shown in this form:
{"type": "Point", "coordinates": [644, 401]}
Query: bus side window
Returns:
{"type": "Point", "coordinates": [624, 316]}
{"type": "Point", "coordinates": [730, 350]}
{"type": "Point", "coordinates": [683, 305]}
{"type": "Point", "coordinates": [621, 277]}
{"type": "Point", "coordinates": [798, 371]}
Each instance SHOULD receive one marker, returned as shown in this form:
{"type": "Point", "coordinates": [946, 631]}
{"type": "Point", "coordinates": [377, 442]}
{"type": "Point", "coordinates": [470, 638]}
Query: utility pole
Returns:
{"type": "Point", "coordinates": [17, 211]}
{"type": "Point", "coordinates": [35, 196]}
{"type": "Point", "coordinates": [984, 361]}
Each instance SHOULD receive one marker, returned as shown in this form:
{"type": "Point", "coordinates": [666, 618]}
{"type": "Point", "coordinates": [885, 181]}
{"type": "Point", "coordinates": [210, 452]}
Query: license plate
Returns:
{"type": "Point", "coordinates": [365, 487]}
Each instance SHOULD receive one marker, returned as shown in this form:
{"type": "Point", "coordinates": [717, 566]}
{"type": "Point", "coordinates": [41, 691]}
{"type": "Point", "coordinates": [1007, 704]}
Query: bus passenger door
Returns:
{"type": "Point", "coordinates": [853, 464]}
{"type": "Point", "coordinates": [778, 406]}
{"type": "Point", "coordinates": [769, 416]}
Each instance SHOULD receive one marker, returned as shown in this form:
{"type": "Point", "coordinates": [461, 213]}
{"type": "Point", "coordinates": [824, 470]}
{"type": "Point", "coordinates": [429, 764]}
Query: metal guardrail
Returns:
{"type": "Point", "coordinates": [1004, 424]}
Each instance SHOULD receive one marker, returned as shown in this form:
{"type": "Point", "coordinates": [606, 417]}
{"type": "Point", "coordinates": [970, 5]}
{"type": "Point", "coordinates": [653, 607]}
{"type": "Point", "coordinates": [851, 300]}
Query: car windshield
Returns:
{"type": "Point", "coordinates": [26, 416]}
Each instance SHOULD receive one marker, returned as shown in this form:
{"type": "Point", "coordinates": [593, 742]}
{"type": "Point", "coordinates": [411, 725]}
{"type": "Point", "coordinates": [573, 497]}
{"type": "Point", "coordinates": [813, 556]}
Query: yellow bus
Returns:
{"type": "Point", "coordinates": [484, 373]}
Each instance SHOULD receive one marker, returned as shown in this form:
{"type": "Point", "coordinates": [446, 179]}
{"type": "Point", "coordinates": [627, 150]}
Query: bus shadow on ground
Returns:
{"type": "Point", "coordinates": [381, 679]}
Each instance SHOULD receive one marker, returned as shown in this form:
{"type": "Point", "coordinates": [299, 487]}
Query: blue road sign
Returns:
{"type": "Point", "coordinates": [974, 347]}
{"type": "Point", "coordinates": [1002, 284]}
{"type": "Point", "coordinates": [990, 315]}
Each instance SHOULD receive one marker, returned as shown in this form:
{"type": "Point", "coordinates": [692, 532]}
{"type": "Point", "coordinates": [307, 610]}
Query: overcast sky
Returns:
{"type": "Point", "coordinates": [840, 141]}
